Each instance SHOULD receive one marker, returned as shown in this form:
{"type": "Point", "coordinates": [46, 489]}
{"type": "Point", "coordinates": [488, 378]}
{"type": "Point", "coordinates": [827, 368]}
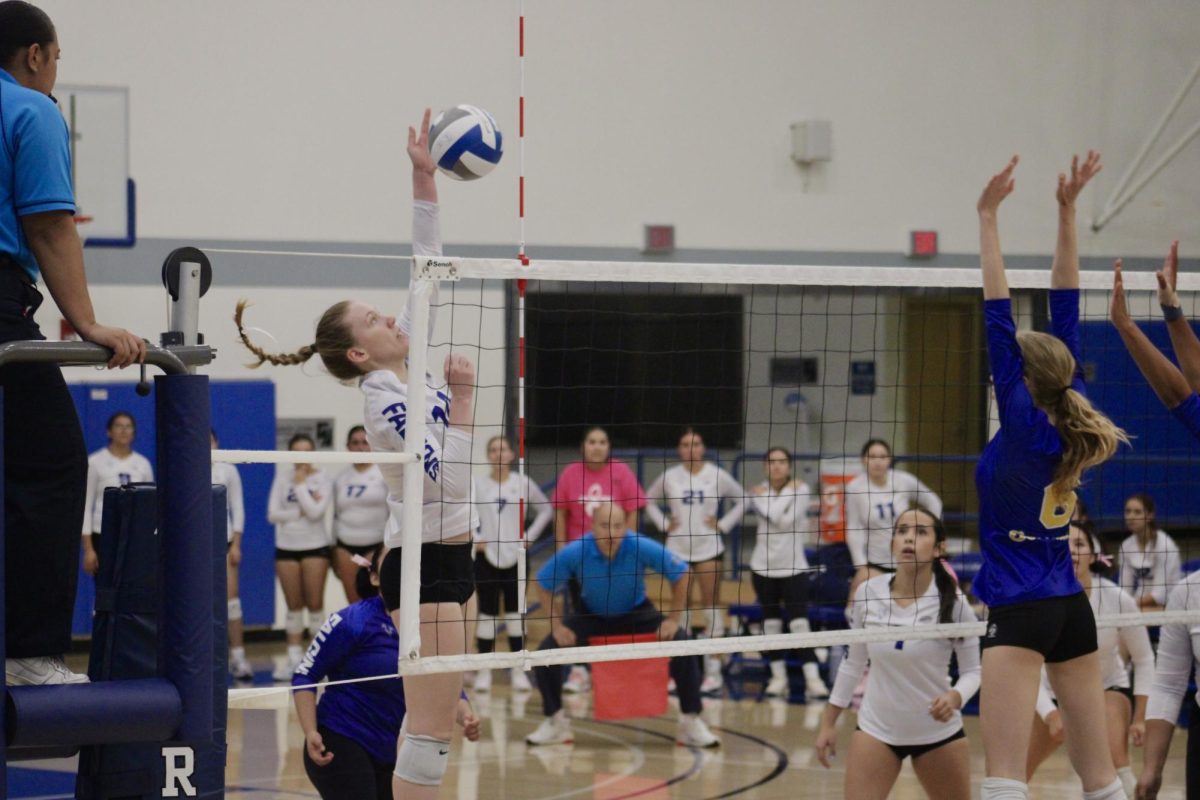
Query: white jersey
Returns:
{"type": "Point", "coordinates": [108, 470]}
{"type": "Point", "coordinates": [298, 511]}
{"type": "Point", "coordinates": [499, 508]}
{"type": "Point", "coordinates": [1107, 599]}
{"type": "Point", "coordinates": [1153, 571]}
{"type": "Point", "coordinates": [446, 494]}
{"type": "Point", "coordinates": [871, 513]}
{"type": "Point", "coordinates": [228, 476]}
{"type": "Point", "coordinates": [906, 677]}
{"type": "Point", "coordinates": [782, 530]}
{"type": "Point", "coordinates": [693, 500]}
{"type": "Point", "coordinates": [1178, 651]}
{"type": "Point", "coordinates": [360, 509]}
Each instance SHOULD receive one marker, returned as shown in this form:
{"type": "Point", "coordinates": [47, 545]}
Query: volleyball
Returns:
{"type": "Point", "coordinates": [465, 142]}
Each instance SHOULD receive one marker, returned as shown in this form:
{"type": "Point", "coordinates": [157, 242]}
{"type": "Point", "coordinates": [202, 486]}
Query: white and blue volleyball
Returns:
{"type": "Point", "coordinates": [465, 142]}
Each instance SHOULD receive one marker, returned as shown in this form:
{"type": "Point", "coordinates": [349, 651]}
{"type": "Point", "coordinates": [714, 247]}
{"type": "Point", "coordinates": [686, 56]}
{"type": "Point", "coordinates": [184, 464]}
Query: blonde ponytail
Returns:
{"type": "Point", "coordinates": [333, 340]}
{"type": "Point", "coordinates": [1089, 438]}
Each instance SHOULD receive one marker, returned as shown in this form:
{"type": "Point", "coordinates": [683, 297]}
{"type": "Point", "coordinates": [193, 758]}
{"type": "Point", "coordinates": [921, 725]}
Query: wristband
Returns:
{"type": "Point", "coordinates": [1172, 313]}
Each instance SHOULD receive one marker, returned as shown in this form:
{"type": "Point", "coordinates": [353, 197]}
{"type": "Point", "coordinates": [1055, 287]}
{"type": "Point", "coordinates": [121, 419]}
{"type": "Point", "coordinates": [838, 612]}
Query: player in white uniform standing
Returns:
{"type": "Point", "coordinates": [360, 512]}
{"type": "Point", "coordinates": [115, 465]}
{"type": "Point", "coordinates": [297, 506]}
{"type": "Point", "coordinates": [499, 499]}
{"type": "Point", "coordinates": [874, 499]}
{"type": "Point", "coordinates": [228, 476]}
{"type": "Point", "coordinates": [1149, 557]}
{"type": "Point", "coordinates": [779, 567]}
{"type": "Point", "coordinates": [358, 343]}
{"type": "Point", "coordinates": [1178, 653]}
{"type": "Point", "coordinates": [1124, 703]}
{"type": "Point", "coordinates": [693, 490]}
{"type": "Point", "coordinates": [909, 708]}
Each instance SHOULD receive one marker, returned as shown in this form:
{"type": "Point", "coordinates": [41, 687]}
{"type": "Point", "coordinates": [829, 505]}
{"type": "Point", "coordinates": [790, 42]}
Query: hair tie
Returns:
{"type": "Point", "coordinates": [1106, 560]}
{"type": "Point", "coordinates": [362, 561]}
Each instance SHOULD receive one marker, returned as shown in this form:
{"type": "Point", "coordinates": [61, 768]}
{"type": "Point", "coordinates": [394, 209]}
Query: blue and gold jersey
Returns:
{"type": "Point", "coordinates": [1022, 525]}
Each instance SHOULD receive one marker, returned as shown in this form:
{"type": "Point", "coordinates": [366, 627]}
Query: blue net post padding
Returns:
{"type": "Point", "coordinates": [185, 523]}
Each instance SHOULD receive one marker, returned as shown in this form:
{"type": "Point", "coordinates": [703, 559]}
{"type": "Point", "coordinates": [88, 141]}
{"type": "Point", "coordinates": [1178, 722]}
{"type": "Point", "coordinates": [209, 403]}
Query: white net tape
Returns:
{"type": "Point", "coordinates": [307, 457]}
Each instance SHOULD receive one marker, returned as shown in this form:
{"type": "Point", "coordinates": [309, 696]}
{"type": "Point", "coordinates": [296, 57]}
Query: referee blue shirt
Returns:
{"type": "Point", "coordinates": [35, 165]}
{"type": "Point", "coordinates": [610, 587]}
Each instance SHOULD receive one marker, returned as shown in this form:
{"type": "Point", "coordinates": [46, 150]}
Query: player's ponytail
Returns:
{"type": "Point", "coordinates": [1088, 437]}
{"type": "Point", "coordinates": [946, 584]}
{"type": "Point", "coordinates": [333, 340]}
{"type": "Point", "coordinates": [362, 579]}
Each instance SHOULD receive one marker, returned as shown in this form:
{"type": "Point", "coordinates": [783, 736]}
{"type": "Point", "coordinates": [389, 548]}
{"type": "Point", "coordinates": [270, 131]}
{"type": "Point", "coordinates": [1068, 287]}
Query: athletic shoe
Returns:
{"type": "Point", "coordinates": [483, 681]}
{"type": "Point", "coordinates": [553, 730]}
{"type": "Point", "coordinates": [579, 681]}
{"type": "Point", "coordinates": [520, 681]}
{"type": "Point", "coordinates": [778, 687]}
{"type": "Point", "coordinates": [39, 671]}
{"type": "Point", "coordinates": [286, 669]}
{"type": "Point", "coordinates": [814, 687]}
{"type": "Point", "coordinates": [241, 670]}
{"type": "Point", "coordinates": [712, 685]}
{"type": "Point", "coordinates": [694, 733]}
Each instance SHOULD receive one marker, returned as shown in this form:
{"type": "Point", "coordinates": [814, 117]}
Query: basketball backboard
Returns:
{"type": "Point", "coordinates": [98, 119]}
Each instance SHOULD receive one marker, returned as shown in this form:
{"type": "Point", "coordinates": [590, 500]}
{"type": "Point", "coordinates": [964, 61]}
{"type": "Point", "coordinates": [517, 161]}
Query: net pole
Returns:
{"type": "Point", "coordinates": [414, 474]}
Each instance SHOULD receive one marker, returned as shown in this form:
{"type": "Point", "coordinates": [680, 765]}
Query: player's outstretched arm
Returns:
{"type": "Point", "coordinates": [995, 285]}
{"type": "Point", "coordinates": [1166, 381]}
{"type": "Point", "coordinates": [1064, 272]}
{"type": "Point", "coordinates": [1183, 338]}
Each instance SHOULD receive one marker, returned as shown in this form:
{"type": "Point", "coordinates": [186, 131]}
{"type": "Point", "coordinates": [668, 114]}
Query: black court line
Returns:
{"type": "Point", "coordinates": [781, 763]}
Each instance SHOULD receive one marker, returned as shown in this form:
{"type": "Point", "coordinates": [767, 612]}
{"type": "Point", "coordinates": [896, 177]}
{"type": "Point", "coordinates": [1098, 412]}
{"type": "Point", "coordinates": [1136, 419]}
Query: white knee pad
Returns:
{"type": "Point", "coordinates": [799, 626]}
{"type": "Point", "coordinates": [235, 609]}
{"type": "Point", "coordinates": [295, 623]}
{"type": "Point", "coordinates": [316, 618]}
{"type": "Point", "coordinates": [485, 628]}
{"type": "Point", "coordinates": [514, 624]}
{"type": "Point", "coordinates": [772, 626]}
{"type": "Point", "coordinates": [716, 623]}
{"type": "Point", "coordinates": [422, 760]}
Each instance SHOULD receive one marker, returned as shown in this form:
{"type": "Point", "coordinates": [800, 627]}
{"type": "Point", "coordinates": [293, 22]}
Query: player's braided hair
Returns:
{"type": "Point", "coordinates": [333, 339]}
{"type": "Point", "coordinates": [1088, 437]}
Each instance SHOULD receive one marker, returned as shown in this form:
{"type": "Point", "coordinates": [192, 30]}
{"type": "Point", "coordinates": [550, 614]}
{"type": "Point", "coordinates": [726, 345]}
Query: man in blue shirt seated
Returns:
{"type": "Point", "coordinates": [609, 565]}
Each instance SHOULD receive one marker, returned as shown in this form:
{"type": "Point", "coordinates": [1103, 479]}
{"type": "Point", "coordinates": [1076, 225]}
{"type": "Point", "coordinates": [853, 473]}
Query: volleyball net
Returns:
{"type": "Point", "coordinates": [809, 363]}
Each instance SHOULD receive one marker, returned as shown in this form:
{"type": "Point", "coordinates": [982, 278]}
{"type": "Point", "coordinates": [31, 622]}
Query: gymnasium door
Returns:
{"type": "Point", "coordinates": [945, 405]}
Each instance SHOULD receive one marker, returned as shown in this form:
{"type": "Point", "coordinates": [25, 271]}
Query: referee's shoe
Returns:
{"type": "Point", "coordinates": [39, 671]}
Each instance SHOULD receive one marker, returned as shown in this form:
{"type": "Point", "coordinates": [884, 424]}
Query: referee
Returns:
{"type": "Point", "coordinates": [45, 463]}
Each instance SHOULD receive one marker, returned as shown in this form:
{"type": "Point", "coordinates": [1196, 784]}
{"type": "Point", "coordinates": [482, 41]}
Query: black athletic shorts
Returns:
{"type": "Point", "coordinates": [300, 555]}
{"type": "Point", "coordinates": [447, 575]}
{"type": "Point", "coordinates": [1060, 628]}
{"type": "Point", "coordinates": [493, 583]}
{"type": "Point", "coordinates": [364, 550]}
{"type": "Point", "coordinates": [915, 751]}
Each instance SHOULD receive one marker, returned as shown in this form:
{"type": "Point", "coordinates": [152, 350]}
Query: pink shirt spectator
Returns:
{"type": "Point", "coordinates": [580, 490]}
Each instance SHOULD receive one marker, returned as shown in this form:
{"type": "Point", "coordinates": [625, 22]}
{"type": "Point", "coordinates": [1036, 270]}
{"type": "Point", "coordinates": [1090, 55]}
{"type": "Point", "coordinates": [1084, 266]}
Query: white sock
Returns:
{"type": "Point", "coordinates": [1114, 791]}
{"type": "Point", "coordinates": [779, 669]}
{"type": "Point", "coordinates": [1003, 789]}
{"type": "Point", "coordinates": [1128, 779]}
{"type": "Point", "coordinates": [237, 653]}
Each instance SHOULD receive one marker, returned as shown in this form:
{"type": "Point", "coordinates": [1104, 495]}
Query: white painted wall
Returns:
{"type": "Point", "coordinates": [279, 120]}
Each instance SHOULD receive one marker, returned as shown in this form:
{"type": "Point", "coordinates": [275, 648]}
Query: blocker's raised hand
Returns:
{"type": "Point", "coordinates": [999, 187]}
{"type": "Point", "coordinates": [1069, 187]}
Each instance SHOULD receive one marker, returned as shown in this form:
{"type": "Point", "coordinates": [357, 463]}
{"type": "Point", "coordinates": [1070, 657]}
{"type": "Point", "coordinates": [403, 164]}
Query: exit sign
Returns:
{"type": "Point", "coordinates": [922, 244]}
{"type": "Point", "coordinates": [659, 239]}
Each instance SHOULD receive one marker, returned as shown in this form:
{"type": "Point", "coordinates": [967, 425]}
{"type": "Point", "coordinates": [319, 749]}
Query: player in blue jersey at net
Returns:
{"type": "Point", "coordinates": [1049, 435]}
{"type": "Point", "coordinates": [350, 736]}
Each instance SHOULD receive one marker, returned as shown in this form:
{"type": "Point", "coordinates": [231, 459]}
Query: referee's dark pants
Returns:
{"type": "Point", "coordinates": [643, 619]}
{"type": "Point", "coordinates": [45, 475]}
